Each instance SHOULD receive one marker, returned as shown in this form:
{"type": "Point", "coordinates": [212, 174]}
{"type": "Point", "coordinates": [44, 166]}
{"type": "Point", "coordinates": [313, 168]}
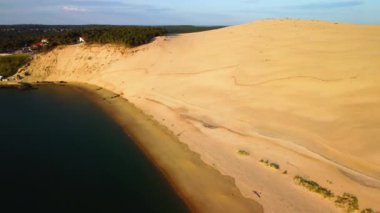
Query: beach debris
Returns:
{"type": "Point", "coordinates": [115, 96]}
{"type": "Point", "coordinates": [19, 77]}
{"type": "Point", "coordinates": [25, 86]}
{"type": "Point", "coordinates": [257, 193]}
{"type": "Point", "coordinates": [179, 134]}
{"type": "Point", "coordinates": [210, 126]}
{"type": "Point", "coordinates": [19, 86]}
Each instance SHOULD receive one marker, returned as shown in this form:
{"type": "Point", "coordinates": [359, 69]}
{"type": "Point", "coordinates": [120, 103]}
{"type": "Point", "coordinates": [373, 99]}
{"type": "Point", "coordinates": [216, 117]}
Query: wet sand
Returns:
{"type": "Point", "coordinates": [202, 187]}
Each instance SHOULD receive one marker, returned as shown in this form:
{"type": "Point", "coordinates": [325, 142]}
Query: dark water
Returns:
{"type": "Point", "coordinates": [61, 153]}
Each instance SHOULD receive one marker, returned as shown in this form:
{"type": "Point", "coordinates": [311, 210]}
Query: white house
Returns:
{"type": "Point", "coordinates": [44, 41]}
{"type": "Point", "coordinates": [80, 40]}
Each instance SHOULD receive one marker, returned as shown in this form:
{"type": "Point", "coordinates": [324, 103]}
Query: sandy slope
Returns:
{"type": "Point", "coordinates": [182, 167]}
{"type": "Point", "coordinates": [304, 94]}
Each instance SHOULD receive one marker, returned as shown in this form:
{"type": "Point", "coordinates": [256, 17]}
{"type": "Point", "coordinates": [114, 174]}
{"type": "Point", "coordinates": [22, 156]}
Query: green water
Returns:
{"type": "Point", "coordinates": [60, 153]}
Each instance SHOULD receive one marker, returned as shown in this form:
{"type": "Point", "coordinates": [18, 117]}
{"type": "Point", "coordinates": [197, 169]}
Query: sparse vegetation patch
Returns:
{"type": "Point", "coordinates": [313, 186]}
{"type": "Point", "coordinates": [367, 210]}
{"type": "Point", "coordinates": [270, 164]}
{"type": "Point", "coordinates": [348, 202]}
{"type": "Point", "coordinates": [243, 152]}
{"type": "Point", "coordinates": [10, 64]}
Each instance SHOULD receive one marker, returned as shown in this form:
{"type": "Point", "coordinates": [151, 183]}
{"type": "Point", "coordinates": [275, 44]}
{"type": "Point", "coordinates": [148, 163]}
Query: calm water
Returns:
{"type": "Point", "coordinates": [60, 153]}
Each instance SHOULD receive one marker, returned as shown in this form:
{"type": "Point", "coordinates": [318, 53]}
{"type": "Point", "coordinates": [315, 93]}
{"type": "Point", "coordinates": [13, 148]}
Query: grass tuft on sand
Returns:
{"type": "Point", "coordinates": [243, 153]}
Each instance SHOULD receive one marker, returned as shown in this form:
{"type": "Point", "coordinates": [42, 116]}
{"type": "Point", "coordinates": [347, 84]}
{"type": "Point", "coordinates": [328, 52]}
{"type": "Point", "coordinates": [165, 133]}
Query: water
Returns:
{"type": "Point", "coordinates": [61, 153]}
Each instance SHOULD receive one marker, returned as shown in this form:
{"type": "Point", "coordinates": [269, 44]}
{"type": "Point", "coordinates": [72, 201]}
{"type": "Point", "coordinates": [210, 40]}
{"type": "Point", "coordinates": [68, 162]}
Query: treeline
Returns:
{"type": "Point", "coordinates": [14, 37]}
{"type": "Point", "coordinates": [130, 36]}
{"type": "Point", "coordinates": [175, 29]}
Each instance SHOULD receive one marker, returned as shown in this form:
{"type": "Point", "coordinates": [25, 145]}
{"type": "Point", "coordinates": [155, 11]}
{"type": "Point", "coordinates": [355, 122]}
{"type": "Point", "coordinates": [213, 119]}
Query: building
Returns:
{"type": "Point", "coordinates": [81, 40]}
{"type": "Point", "coordinates": [45, 41]}
{"type": "Point", "coordinates": [42, 43]}
{"type": "Point", "coordinates": [36, 45]}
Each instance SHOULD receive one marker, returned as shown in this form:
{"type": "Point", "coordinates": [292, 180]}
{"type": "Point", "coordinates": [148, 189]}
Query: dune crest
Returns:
{"type": "Point", "coordinates": [303, 94]}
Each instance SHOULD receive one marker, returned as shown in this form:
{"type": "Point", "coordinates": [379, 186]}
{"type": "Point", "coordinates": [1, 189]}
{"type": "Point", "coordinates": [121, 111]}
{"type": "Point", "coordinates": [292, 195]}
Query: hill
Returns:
{"type": "Point", "coordinates": [303, 95]}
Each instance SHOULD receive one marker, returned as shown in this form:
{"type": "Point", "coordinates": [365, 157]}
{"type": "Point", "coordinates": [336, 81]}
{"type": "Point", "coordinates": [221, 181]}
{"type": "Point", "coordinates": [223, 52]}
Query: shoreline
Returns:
{"type": "Point", "coordinates": [246, 98]}
{"type": "Point", "coordinates": [200, 186]}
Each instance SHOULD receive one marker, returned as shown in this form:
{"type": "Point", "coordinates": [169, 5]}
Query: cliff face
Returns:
{"type": "Point", "coordinates": [303, 93]}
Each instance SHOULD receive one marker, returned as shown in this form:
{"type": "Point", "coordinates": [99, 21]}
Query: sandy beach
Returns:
{"type": "Point", "coordinates": [182, 167]}
{"type": "Point", "coordinates": [301, 95]}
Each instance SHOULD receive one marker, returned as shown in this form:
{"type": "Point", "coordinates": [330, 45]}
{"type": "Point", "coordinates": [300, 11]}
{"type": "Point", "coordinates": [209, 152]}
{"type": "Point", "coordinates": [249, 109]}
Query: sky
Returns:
{"type": "Point", "coordinates": [181, 12]}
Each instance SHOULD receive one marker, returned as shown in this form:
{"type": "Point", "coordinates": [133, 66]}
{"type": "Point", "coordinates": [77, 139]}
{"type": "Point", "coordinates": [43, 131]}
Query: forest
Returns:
{"type": "Point", "coordinates": [14, 37]}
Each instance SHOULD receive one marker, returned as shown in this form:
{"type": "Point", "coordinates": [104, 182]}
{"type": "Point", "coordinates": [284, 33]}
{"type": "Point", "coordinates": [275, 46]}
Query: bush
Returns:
{"type": "Point", "coordinates": [367, 210]}
{"type": "Point", "coordinates": [243, 152]}
{"type": "Point", "coordinates": [313, 186]}
{"type": "Point", "coordinates": [9, 65]}
{"type": "Point", "coordinates": [347, 201]}
{"type": "Point", "coordinates": [270, 164]}
{"type": "Point", "coordinates": [274, 165]}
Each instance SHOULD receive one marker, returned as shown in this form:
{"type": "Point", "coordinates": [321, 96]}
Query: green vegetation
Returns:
{"type": "Point", "coordinates": [130, 36]}
{"type": "Point", "coordinates": [313, 186]}
{"type": "Point", "coordinates": [270, 164]}
{"type": "Point", "coordinates": [243, 152]}
{"type": "Point", "coordinates": [347, 201]}
{"type": "Point", "coordinates": [14, 37]}
{"type": "Point", "coordinates": [9, 65]}
{"type": "Point", "coordinates": [368, 210]}
{"type": "Point", "coordinates": [175, 29]}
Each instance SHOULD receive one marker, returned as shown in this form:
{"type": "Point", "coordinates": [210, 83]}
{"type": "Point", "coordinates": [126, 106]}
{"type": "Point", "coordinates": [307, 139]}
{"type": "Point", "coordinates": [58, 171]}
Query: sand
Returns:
{"type": "Point", "coordinates": [303, 94]}
{"type": "Point", "coordinates": [182, 167]}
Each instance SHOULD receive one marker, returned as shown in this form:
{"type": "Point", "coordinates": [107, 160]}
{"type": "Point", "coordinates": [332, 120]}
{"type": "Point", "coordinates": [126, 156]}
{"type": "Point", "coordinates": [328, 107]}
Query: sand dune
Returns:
{"type": "Point", "coordinates": [303, 94]}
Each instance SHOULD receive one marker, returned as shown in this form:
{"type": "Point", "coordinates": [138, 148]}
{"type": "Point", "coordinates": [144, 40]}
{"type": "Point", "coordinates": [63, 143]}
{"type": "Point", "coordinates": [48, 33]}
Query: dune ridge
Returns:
{"type": "Point", "coordinates": [303, 94]}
